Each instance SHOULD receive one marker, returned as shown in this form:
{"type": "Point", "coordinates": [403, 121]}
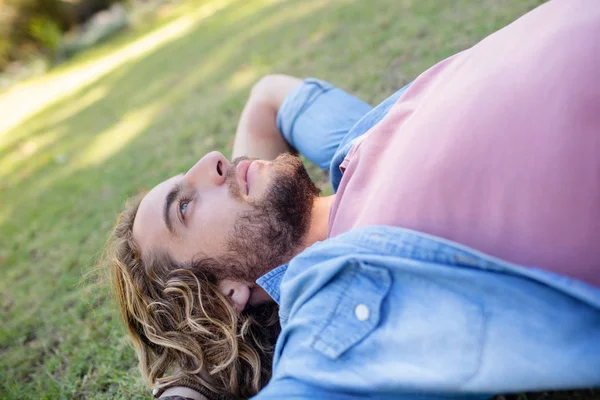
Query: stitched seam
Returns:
{"type": "Point", "coordinates": [365, 327]}
{"type": "Point", "coordinates": [340, 296]}
{"type": "Point", "coordinates": [482, 341]}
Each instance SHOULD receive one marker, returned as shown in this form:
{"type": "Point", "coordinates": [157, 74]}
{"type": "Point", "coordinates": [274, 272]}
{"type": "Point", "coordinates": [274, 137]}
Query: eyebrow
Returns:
{"type": "Point", "coordinates": [171, 196]}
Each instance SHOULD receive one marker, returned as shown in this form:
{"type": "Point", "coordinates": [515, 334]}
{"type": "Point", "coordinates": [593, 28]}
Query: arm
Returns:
{"type": "Point", "coordinates": [257, 134]}
{"type": "Point", "coordinates": [284, 113]}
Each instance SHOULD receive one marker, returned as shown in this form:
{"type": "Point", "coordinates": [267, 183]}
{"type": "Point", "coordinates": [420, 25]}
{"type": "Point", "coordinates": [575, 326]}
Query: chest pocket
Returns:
{"type": "Point", "coordinates": [356, 308]}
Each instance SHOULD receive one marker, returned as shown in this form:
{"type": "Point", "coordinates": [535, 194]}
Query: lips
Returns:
{"type": "Point", "coordinates": [242, 175]}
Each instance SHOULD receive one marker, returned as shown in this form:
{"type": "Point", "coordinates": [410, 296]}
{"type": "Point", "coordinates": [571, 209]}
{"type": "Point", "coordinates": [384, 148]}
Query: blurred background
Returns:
{"type": "Point", "coordinates": [100, 99]}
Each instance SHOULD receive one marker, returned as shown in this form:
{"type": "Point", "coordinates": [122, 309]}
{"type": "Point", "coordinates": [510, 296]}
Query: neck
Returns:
{"type": "Point", "coordinates": [317, 231]}
{"type": "Point", "coordinates": [319, 221]}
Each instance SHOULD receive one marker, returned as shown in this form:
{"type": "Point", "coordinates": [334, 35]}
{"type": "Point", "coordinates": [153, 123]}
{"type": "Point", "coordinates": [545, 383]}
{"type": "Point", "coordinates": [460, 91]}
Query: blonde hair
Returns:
{"type": "Point", "coordinates": [180, 323]}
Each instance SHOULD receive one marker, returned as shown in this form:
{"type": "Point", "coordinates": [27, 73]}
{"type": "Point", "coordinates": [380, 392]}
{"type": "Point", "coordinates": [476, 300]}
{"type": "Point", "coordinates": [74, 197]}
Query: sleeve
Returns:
{"type": "Point", "coordinates": [292, 389]}
{"type": "Point", "coordinates": [175, 398]}
{"type": "Point", "coordinates": [316, 116]}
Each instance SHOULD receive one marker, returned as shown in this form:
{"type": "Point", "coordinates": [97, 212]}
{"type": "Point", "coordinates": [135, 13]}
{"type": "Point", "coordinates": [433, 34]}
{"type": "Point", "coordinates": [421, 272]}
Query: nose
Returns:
{"type": "Point", "coordinates": [211, 169]}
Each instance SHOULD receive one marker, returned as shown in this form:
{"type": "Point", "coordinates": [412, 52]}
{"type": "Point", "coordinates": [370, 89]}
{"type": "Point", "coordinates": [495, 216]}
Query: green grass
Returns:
{"type": "Point", "coordinates": [67, 168]}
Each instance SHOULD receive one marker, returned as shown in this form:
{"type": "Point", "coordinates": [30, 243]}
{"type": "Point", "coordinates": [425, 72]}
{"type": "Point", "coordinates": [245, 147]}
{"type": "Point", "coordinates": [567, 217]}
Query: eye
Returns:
{"type": "Point", "coordinates": [183, 205]}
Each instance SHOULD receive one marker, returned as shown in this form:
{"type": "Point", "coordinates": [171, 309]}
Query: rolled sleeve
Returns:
{"type": "Point", "coordinates": [316, 116]}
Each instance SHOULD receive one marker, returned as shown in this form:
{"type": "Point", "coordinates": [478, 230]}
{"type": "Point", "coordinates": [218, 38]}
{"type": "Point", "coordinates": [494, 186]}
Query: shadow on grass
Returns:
{"type": "Point", "coordinates": [153, 117]}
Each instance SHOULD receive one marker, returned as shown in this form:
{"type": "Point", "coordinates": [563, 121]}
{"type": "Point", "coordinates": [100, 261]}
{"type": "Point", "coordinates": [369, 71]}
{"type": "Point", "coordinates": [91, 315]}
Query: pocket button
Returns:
{"type": "Point", "coordinates": [361, 312]}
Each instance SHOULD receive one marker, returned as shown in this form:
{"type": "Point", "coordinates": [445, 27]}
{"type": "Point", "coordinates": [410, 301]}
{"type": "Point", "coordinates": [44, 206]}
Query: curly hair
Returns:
{"type": "Point", "coordinates": [181, 325]}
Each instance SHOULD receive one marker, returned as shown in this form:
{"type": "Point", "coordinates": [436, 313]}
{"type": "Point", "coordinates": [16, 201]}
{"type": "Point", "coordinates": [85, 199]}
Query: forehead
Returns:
{"type": "Point", "coordinates": [149, 227]}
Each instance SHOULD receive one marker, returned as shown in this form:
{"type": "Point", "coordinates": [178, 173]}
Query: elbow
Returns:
{"type": "Point", "coordinates": [263, 89]}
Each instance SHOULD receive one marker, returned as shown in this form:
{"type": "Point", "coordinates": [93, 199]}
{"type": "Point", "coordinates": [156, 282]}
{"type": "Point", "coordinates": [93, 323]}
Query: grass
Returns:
{"type": "Point", "coordinates": [146, 105]}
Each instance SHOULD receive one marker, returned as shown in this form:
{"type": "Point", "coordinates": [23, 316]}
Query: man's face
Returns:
{"type": "Point", "coordinates": [250, 213]}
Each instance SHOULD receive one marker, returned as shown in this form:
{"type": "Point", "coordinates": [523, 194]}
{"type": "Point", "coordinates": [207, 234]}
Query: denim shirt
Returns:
{"type": "Point", "coordinates": [384, 312]}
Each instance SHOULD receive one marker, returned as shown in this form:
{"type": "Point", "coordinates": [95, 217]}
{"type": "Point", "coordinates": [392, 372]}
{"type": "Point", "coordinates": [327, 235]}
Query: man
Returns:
{"type": "Point", "coordinates": [496, 148]}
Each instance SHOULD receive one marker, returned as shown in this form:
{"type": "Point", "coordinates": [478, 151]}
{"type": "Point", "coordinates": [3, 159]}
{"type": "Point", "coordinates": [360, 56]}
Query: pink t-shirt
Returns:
{"type": "Point", "coordinates": [497, 148]}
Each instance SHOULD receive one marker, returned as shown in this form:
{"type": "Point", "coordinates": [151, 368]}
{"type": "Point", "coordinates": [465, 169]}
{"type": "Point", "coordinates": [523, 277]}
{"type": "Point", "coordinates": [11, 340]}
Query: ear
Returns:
{"type": "Point", "coordinates": [238, 292]}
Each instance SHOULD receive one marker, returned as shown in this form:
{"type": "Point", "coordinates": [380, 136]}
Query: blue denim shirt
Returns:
{"type": "Point", "coordinates": [384, 312]}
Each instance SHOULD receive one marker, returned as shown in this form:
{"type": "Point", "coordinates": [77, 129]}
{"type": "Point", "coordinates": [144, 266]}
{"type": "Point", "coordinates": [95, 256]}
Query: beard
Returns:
{"type": "Point", "coordinates": [271, 233]}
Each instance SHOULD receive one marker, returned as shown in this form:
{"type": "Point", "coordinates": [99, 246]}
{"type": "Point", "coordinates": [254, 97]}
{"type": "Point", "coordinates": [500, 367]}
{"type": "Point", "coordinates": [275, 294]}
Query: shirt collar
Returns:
{"type": "Point", "coordinates": [271, 281]}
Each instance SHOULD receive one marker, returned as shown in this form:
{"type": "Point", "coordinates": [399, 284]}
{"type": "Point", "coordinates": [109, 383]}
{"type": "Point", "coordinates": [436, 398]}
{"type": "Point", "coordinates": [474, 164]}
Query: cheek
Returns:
{"type": "Point", "coordinates": [266, 178]}
{"type": "Point", "coordinates": [214, 222]}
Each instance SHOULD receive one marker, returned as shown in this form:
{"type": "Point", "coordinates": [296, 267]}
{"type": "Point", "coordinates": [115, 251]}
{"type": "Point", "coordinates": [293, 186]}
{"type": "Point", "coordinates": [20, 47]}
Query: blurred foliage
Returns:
{"type": "Point", "coordinates": [46, 32]}
{"type": "Point", "coordinates": [30, 26]}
